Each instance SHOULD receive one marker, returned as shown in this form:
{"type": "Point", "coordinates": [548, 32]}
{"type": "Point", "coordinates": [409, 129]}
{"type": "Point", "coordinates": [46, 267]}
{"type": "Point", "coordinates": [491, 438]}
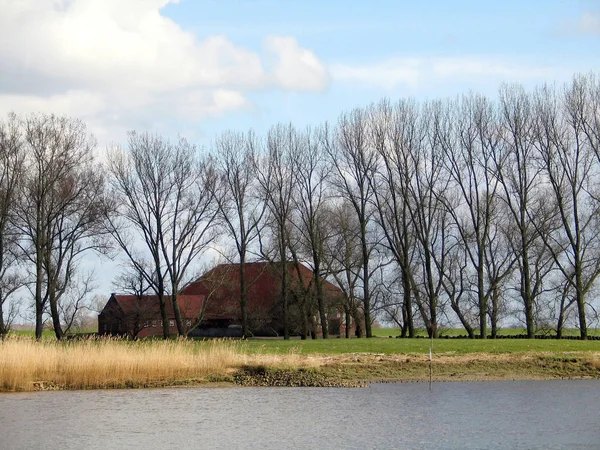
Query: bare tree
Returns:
{"type": "Point", "coordinates": [431, 217]}
{"type": "Point", "coordinates": [355, 163]}
{"type": "Point", "coordinates": [499, 264]}
{"type": "Point", "coordinates": [395, 133]}
{"type": "Point", "coordinates": [311, 172]}
{"type": "Point", "coordinates": [11, 170]}
{"type": "Point", "coordinates": [469, 144]}
{"type": "Point", "coordinates": [343, 259]}
{"type": "Point", "coordinates": [455, 281]}
{"type": "Point", "coordinates": [165, 193]}
{"type": "Point", "coordinates": [411, 184]}
{"type": "Point", "coordinates": [519, 174]}
{"type": "Point", "coordinates": [76, 302]}
{"type": "Point", "coordinates": [241, 209]}
{"type": "Point", "coordinates": [569, 164]}
{"type": "Point", "coordinates": [62, 199]}
{"type": "Point", "coordinates": [277, 187]}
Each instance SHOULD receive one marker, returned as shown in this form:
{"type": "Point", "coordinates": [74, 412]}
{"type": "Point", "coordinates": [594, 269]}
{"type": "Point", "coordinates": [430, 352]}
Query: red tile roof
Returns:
{"type": "Point", "coordinates": [189, 305]}
{"type": "Point", "coordinates": [221, 286]}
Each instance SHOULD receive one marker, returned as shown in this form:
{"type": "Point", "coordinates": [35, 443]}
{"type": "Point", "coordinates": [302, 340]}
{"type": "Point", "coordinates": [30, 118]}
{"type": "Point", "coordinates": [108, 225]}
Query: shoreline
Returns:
{"type": "Point", "coordinates": [361, 369]}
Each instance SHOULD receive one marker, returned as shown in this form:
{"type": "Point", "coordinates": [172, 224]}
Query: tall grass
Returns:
{"type": "Point", "coordinates": [26, 364]}
{"type": "Point", "coordinates": [103, 363]}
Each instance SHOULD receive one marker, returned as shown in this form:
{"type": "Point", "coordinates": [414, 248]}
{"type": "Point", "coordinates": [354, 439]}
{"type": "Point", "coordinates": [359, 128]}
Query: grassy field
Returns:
{"type": "Point", "coordinates": [385, 332]}
{"type": "Point", "coordinates": [415, 346]}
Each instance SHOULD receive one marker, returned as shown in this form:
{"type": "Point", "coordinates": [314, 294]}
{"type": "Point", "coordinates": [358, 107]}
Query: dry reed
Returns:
{"type": "Point", "coordinates": [26, 364]}
{"type": "Point", "coordinates": [105, 363]}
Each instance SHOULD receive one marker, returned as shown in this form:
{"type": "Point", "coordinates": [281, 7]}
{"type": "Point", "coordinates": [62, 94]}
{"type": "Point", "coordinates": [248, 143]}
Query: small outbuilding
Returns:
{"type": "Point", "coordinates": [139, 316]}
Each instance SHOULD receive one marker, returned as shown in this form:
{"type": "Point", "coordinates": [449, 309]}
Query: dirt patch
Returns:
{"type": "Point", "coordinates": [263, 376]}
{"type": "Point", "coordinates": [471, 367]}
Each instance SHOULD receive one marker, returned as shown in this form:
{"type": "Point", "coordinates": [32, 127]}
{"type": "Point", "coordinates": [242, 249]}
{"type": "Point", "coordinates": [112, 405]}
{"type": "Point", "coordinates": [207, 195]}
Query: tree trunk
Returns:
{"type": "Point", "coordinates": [581, 313]}
{"type": "Point", "coordinates": [163, 310]}
{"type": "Point", "coordinates": [284, 296]}
{"type": "Point", "coordinates": [432, 328]}
{"type": "Point", "coordinates": [358, 332]}
{"type": "Point", "coordinates": [526, 292]}
{"type": "Point", "coordinates": [321, 302]}
{"type": "Point", "coordinates": [305, 326]}
{"type": "Point", "coordinates": [55, 314]}
{"type": "Point", "coordinates": [177, 313]}
{"type": "Point", "coordinates": [468, 328]}
{"type": "Point", "coordinates": [482, 299]}
{"type": "Point", "coordinates": [409, 322]}
{"type": "Point", "coordinates": [366, 292]}
{"type": "Point", "coordinates": [313, 328]}
{"type": "Point", "coordinates": [347, 319]}
{"type": "Point", "coordinates": [494, 313]}
{"type": "Point", "coordinates": [3, 330]}
{"type": "Point", "coordinates": [39, 304]}
{"type": "Point", "coordinates": [243, 296]}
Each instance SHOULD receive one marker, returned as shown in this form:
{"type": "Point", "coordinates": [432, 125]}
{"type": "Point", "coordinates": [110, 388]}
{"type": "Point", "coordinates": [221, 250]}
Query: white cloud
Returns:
{"type": "Point", "coordinates": [108, 59]}
{"type": "Point", "coordinates": [486, 67]}
{"type": "Point", "coordinates": [387, 74]}
{"type": "Point", "coordinates": [589, 23]}
{"type": "Point", "coordinates": [296, 68]}
{"type": "Point", "coordinates": [420, 73]}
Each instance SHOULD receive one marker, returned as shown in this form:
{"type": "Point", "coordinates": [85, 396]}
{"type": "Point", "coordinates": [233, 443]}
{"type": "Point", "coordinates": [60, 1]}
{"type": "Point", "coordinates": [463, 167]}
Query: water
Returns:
{"type": "Point", "coordinates": [512, 415]}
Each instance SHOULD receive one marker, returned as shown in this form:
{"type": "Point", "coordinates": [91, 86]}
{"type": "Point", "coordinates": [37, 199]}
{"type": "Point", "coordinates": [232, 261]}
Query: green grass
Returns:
{"type": "Point", "coordinates": [416, 346]}
{"type": "Point", "coordinates": [385, 332]}
{"type": "Point", "coordinates": [46, 334]}
{"type": "Point", "coordinates": [384, 345]}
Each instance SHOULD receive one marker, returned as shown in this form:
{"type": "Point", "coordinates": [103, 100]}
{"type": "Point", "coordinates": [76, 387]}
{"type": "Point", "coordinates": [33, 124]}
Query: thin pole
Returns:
{"type": "Point", "coordinates": [431, 358]}
{"type": "Point", "coordinates": [430, 364]}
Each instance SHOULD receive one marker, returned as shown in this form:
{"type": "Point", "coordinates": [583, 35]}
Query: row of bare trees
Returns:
{"type": "Point", "coordinates": [472, 211]}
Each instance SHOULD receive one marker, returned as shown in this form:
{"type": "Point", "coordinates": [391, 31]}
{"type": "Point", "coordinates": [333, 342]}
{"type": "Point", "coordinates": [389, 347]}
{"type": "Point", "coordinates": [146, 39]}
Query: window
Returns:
{"type": "Point", "coordinates": [171, 323]}
{"type": "Point", "coordinates": [188, 323]}
{"type": "Point", "coordinates": [154, 324]}
{"type": "Point", "coordinates": [146, 324]}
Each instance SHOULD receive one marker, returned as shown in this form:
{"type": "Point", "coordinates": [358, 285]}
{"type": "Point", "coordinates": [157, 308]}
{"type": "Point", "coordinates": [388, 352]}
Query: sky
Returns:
{"type": "Point", "coordinates": [199, 67]}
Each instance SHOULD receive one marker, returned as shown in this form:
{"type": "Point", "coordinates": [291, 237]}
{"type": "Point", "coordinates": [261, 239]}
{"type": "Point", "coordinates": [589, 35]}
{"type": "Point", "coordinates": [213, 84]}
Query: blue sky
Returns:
{"type": "Point", "coordinates": [201, 67]}
{"type": "Point", "coordinates": [517, 41]}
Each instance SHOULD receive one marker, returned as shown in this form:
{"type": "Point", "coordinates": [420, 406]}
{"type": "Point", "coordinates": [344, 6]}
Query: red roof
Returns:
{"type": "Point", "coordinates": [189, 305]}
{"type": "Point", "coordinates": [221, 286]}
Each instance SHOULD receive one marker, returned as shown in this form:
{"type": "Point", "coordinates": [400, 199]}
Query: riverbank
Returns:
{"type": "Point", "coordinates": [27, 365]}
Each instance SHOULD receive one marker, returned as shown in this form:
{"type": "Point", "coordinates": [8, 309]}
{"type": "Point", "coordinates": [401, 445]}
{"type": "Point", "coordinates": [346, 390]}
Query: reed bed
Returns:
{"type": "Point", "coordinates": [97, 363]}
{"type": "Point", "coordinates": [108, 363]}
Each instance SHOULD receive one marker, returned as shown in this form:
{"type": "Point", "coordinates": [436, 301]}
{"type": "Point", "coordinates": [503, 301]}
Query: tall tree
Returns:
{"type": "Point", "coordinates": [568, 159]}
{"type": "Point", "coordinates": [311, 173]}
{"type": "Point", "coordinates": [165, 193]}
{"type": "Point", "coordinates": [11, 170]}
{"type": "Point", "coordinates": [468, 148]}
{"type": "Point", "coordinates": [394, 134]}
{"type": "Point", "coordinates": [62, 197]}
{"type": "Point", "coordinates": [520, 175]}
{"type": "Point", "coordinates": [431, 218]}
{"type": "Point", "coordinates": [274, 169]}
{"type": "Point", "coordinates": [355, 163]}
{"type": "Point", "coordinates": [240, 208]}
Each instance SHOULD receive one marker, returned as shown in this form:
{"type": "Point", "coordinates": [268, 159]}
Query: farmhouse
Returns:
{"type": "Point", "coordinates": [210, 305]}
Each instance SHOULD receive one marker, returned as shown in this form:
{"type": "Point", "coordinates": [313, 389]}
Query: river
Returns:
{"type": "Point", "coordinates": [478, 415]}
